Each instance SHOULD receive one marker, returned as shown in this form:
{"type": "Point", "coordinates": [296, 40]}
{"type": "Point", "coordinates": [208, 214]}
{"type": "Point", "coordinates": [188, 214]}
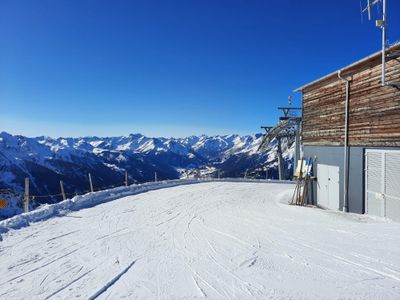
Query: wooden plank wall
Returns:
{"type": "Point", "coordinates": [374, 111]}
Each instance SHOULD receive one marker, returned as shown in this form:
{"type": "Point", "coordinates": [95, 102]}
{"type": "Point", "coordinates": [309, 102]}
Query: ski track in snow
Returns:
{"type": "Point", "coordinates": [216, 240]}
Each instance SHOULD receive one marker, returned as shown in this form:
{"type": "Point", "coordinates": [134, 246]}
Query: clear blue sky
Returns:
{"type": "Point", "coordinates": [169, 68]}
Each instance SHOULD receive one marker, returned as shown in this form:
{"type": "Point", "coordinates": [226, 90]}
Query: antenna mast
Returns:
{"type": "Point", "coordinates": [382, 24]}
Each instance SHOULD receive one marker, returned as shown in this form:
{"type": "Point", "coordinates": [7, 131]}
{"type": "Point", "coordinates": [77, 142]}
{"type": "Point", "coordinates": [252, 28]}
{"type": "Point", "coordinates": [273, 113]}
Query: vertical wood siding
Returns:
{"type": "Point", "coordinates": [374, 111]}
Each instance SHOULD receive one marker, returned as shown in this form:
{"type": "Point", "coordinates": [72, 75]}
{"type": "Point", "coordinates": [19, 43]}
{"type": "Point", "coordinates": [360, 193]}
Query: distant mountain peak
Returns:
{"type": "Point", "coordinates": [48, 160]}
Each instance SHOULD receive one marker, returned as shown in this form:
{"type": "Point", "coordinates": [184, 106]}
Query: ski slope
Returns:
{"type": "Point", "coordinates": [220, 240]}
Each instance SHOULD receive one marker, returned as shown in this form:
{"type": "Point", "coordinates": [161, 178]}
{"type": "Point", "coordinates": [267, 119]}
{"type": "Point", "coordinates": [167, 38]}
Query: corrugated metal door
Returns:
{"type": "Point", "coordinates": [392, 184]}
{"type": "Point", "coordinates": [382, 188]}
{"type": "Point", "coordinates": [375, 204]}
{"type": "Point", "coordinates": [328, 186]}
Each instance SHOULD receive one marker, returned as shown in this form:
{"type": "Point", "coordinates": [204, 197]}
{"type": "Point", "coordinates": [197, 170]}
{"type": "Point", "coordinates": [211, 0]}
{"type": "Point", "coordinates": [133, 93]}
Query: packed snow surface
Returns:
{"type": "Point", "coordinates": [233, 240]}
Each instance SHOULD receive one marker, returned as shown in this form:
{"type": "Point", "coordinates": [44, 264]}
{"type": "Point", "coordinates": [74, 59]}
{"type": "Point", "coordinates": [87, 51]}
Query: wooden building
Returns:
{"type": "Point", "coordinates": [351, 127]}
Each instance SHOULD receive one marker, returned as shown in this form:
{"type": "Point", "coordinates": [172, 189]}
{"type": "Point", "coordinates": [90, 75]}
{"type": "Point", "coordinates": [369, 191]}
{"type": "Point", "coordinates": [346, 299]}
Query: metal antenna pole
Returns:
{"type": "Point", "coordinates": [383, 25]}
{"type": "Point", "coordinates": [384, 43]}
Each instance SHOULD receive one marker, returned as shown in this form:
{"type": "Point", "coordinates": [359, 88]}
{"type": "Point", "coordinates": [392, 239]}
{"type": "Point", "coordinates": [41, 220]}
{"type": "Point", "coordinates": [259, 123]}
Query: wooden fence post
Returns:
{"type": "Point", "coordinates": [155, 176]}
{"type": "Point", "coordinates": [91, 183]}
{"type": "Point", "coordinates": [26, 195]}
{"type": "Point", "coordinates": [126, 178]}
{"type": "Point", "coordinates": [62, 190]}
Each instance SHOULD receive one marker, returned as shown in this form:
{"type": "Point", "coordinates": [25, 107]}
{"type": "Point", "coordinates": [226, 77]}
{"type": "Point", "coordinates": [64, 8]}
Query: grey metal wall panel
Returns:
{"type": "Point", "coordinates": [356, 180]}
{"type": "Point", "coordinates": [333, 155]}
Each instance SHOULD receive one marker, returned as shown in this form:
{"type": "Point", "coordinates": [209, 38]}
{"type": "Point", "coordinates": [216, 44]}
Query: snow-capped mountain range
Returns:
{"type": "Point", "coordinates": [46, 161]}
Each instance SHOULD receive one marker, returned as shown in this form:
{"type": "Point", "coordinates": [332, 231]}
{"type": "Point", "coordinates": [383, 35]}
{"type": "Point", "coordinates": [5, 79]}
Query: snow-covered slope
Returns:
{"type": "Point", "coordinates": [216, 240]}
